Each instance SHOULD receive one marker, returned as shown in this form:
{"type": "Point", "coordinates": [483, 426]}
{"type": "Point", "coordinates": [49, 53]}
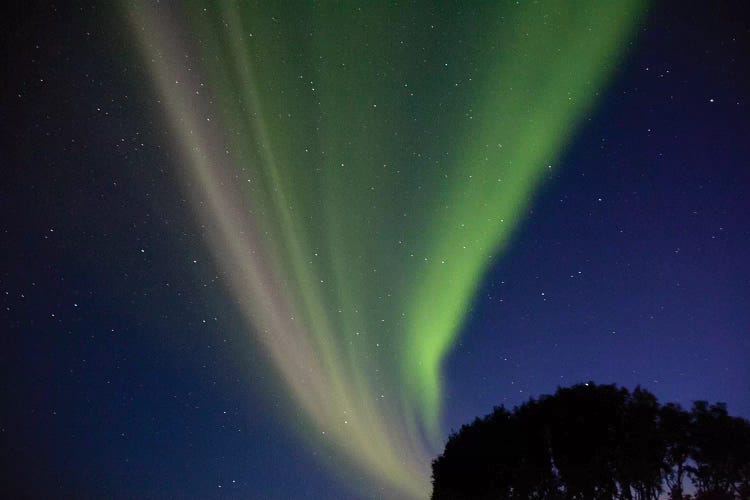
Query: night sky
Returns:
{"type": "Point", "coordinates": [256, 250]}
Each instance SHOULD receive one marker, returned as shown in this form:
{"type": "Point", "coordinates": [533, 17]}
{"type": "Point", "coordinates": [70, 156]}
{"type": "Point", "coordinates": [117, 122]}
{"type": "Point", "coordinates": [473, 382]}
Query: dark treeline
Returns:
{"type": "Point", "coordinates": [597, 442]}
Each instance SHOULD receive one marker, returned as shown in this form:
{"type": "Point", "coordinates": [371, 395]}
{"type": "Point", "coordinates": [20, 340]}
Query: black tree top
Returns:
{"type": "Point", "coordinates": [597, 442]}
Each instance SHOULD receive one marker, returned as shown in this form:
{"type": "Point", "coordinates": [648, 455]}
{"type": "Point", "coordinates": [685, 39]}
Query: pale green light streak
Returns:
{"type": "Point", "coordinates": [530, 107]}
{"type": "Point", "coordinates": [386, 154]}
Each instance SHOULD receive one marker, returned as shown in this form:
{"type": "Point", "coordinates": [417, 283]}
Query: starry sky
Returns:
{"type": "Point", "coordinates": [256, 251]}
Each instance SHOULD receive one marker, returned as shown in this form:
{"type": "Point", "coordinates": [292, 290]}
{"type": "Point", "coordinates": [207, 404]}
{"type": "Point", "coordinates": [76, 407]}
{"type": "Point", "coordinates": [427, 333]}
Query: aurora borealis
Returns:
{"type": "Point", "coordinates": [355, 226]}
{"type": "Point", "coordinates": [282, 249]}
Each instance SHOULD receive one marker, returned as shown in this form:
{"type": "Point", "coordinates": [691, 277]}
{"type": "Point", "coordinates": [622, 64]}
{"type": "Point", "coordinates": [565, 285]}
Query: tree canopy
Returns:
{"type": "Point", "coordinates": [593, 441]}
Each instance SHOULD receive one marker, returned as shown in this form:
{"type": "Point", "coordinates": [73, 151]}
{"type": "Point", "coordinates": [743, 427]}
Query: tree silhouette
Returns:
{"type": "Point", "coordinates": [720, 452]}
{"type": "Point", "coordinates": [593, 441]}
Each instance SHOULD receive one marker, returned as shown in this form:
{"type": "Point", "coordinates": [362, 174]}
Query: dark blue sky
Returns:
{"type": "Point", "coordinates": [120, 378]}
{"type": "Point", "coordinates": [632, 266]}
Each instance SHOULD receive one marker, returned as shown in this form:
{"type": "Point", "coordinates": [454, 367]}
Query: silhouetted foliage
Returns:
{"type": "Point", "coordinates": [597, 442]}
{"type": "Point", "coordinates": [720, 452]}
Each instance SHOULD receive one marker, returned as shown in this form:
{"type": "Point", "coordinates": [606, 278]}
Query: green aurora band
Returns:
{"type": "Point", "coordinates": [357, 169]}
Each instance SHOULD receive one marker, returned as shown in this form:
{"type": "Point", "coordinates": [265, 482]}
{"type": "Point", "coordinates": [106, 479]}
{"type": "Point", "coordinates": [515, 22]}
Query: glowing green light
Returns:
{"type": "Point", "coordinates": [357, 168]}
